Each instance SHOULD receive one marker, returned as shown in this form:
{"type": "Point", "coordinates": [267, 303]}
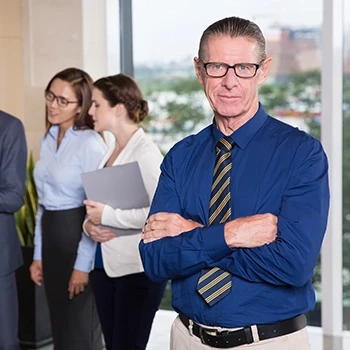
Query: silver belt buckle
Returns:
{"type": "Point", "coordinates": [201, 331]}
{"type": "Point", "coordinates": [190, 327]}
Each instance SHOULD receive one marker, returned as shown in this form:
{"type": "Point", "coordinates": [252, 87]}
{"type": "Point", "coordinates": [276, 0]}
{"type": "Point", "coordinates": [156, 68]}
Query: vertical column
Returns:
{"type": "Point", "coordinates": [113, 36]}
{"type": "Point", "coordinates": [127, 60]}
{"type": "Point", "coordinates": [58, 34]}
{"type": "Point", "coordinates": [332, 125]}
{"type": "Point", "coordinates": [94, 37]}
{"type": "Point", "coordinates": [11, 72]}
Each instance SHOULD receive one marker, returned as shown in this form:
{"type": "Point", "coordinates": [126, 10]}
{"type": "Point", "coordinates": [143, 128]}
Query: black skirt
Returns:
{"type": "Point", "coordinates": [74, 323]}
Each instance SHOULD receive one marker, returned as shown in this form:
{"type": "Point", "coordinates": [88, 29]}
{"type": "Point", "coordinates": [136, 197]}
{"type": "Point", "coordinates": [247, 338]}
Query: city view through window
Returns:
{"type": "Point", "coordinates": [163, 65]}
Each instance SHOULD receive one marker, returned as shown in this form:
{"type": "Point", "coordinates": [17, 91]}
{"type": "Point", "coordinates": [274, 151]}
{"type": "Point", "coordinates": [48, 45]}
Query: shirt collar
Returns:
{"type": "Point", "coordinates": [245, 133]}
{"type": "Point", "coordinates": [54, 129]}
{"type": "Point", "coordinates": [135, 138]}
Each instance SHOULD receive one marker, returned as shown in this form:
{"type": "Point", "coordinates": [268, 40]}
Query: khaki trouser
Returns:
{"type": "Point", "coordinates": [180, 339]}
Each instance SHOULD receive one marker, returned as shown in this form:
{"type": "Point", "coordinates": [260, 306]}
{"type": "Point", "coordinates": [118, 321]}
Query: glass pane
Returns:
{"type": "Point", "coordinates": [346, 169]}
{"type": "Point", "coordinates": [166, 38]}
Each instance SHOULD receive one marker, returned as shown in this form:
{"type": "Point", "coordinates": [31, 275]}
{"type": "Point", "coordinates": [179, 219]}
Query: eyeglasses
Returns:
{"type": "Point", "coordinates": [242, 70]}
{"type": "Point", "coordinates": [61, 101]}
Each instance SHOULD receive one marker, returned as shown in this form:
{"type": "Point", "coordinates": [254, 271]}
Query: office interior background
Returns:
{"type": "Point", "coordinates": [155, 41]}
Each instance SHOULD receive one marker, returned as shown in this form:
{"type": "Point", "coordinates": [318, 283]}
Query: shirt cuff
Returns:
{"type": "Point", "coordinates": [84, 223]}
{"type": "Point", "coordinates": [83, 264]}
{"type": "Point", "coordinates": [37, 253]}
{"type": "Point", "coordinates": [214, 243]}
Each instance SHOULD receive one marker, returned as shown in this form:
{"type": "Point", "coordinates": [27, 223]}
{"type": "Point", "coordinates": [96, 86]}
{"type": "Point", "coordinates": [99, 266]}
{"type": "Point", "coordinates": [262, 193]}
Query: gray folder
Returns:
{"type": "Point", "coordinates": [119, 186]}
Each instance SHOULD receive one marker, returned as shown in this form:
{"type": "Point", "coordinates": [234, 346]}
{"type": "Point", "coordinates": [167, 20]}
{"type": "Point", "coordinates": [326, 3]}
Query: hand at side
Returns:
{"type": "Point", "coordinates": [36, 272]}
{"type": "Point", "coordinates": [77, 283]}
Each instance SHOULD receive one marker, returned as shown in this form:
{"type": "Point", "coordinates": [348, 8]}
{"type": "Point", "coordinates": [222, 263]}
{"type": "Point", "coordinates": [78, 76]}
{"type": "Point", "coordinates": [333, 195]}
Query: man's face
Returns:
{"type": "Point", "coordinates": [231, 96]}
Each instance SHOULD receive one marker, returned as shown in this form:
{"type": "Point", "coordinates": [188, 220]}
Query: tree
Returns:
{"type": "Point", "coordinates": [177, 109]}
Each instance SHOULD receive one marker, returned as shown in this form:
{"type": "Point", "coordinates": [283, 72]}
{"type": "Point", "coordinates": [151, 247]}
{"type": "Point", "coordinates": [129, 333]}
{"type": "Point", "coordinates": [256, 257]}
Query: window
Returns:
{"type": "Point", "coordinates": [346, 169]}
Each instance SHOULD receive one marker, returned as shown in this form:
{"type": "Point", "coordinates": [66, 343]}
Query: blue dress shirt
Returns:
{"type": "Point", "coordinates": [58, 181]}
{"type": "Point", "coordinates": [277, 169]}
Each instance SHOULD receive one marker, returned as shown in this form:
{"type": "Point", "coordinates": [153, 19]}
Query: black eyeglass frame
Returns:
{"type": "Point", "coordinates": [59, 99]}
{"type": "Point", "coordinates": [256, 65]}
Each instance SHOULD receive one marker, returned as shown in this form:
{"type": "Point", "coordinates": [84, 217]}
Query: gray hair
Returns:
{"type": "Point", "coordinates": [233, 27]}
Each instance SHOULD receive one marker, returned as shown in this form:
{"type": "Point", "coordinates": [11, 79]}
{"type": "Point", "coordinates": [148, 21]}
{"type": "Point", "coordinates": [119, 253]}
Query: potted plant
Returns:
{"type": "Point", "coordinates": [34, 322]}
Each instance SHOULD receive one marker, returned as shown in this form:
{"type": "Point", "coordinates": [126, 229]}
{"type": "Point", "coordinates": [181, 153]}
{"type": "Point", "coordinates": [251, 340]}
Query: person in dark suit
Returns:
{"type": "Point", "coordinates": [13, 159]}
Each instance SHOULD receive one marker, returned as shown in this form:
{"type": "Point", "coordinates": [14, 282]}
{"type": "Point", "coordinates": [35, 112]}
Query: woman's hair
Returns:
{"type": "Point", "coordinates": [82, 85]}
{"type": "Point", "coordinates": [233, 27]}
{"type": "Point", "coordinates": [123, 89]}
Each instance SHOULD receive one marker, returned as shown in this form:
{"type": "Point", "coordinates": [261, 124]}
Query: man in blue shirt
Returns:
{"type": "Point", "coordinates": [263, 250]}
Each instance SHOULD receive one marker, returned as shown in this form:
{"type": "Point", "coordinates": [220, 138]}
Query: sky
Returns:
{"type": "Point", "coordinates": [175, 26]}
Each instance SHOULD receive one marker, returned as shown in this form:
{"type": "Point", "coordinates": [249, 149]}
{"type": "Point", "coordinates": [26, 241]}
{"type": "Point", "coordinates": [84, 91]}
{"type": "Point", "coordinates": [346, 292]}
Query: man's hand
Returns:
{"type": "Point", "coordinates": [98, 234]}
{"type": "Point", "coordinates": [94, 211]}
{"type": "Point", "coordinates": [251, 231]}
{"type": "Point", "coordinates": [36, 272]}
{"type": "Point", "coordinates": [77, 283]}
{"type": "Point", "coordinates": [162, 224]}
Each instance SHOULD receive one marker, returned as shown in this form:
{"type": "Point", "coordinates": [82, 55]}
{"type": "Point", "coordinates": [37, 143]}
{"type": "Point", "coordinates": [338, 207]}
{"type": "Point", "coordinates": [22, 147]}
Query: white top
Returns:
{"type": "Point", "coordinates": [121, 255]}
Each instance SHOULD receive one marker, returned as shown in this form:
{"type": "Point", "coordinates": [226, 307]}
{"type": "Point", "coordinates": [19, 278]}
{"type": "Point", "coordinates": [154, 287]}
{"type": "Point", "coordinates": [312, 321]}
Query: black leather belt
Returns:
{"type": "Point", "coordinates": [230, 339]}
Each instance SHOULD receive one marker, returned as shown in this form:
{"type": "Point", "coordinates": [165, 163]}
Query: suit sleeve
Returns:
{"type": "Point", "coordinates": [13, 168]}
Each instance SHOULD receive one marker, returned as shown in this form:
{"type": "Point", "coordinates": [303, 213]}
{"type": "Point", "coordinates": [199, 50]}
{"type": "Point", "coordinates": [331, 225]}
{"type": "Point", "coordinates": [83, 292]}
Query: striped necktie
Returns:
{"type": "Point", "coordinates": [215, 283]}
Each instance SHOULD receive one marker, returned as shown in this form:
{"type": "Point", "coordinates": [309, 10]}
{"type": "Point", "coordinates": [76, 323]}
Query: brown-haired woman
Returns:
{"type": "Point", "coordinates": [63, 256]}
{"type": "Point", "coordinates": [126, 298]}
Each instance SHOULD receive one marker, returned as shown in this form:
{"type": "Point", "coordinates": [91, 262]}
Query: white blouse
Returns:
{"type": "Point", "coordinates": [121, 254]}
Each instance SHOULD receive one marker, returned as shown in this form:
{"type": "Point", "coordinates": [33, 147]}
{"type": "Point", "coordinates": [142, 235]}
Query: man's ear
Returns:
{"type": "Point", "coordinates": [264, 70]}
{"type": "Point", "coordinates": [198, 69]}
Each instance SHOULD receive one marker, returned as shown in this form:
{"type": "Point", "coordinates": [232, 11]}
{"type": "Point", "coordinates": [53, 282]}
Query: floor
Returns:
{"type": "Point", "coordinates": [159, 338]}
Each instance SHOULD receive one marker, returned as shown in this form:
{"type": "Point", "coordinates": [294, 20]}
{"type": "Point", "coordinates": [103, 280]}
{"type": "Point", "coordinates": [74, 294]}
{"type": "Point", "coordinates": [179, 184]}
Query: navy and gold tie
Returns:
{"type": "Point", "coordinates": [215, 283]}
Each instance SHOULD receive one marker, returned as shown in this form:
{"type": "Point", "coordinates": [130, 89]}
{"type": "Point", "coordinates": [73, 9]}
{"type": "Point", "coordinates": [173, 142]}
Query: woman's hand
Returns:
{"type": "Point", "coordinates": [77, 283]}
{"type": "Point", "coordinates": [94, 211]}
{"type": "Point", "coordinates": [36, 272]}
{"type": "Point", "coordinates": [98, 234]}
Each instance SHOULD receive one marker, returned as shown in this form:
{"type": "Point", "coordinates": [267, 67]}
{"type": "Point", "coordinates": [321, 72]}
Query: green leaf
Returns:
{"type": "Point", "coordinates": [25, 217]}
